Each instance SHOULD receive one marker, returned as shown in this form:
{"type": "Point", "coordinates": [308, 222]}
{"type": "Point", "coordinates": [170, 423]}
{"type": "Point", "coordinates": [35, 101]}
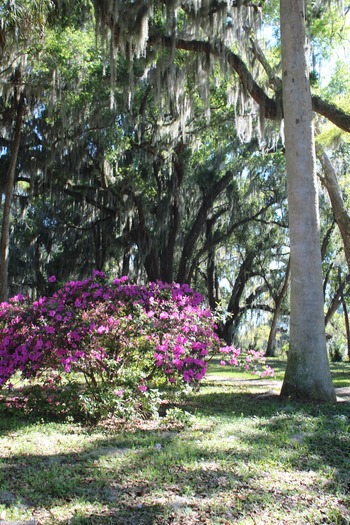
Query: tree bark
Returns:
{"type": "Point", "coordinates": [227, 329]}
{"type": "Point", "coordinates": [10, 181]}
{"type": "Point", "coordinates": [347, 323]}
{"type": "Point", "coordinates": [335, 303]}
{"type": "Point", "coordinates": [308, 373]}
{"type": "Point", "coordinates": [212, 277]}
{"type": "Point", "coordinates": [345, 309]}
{"type": "Point", "coordinates": [341, 214]}
{"type": "Point", "coordinates": [271, 343]}
{"type": "Point", "coordinates": [167, 255]}
{"type": "Point", "coordinates": [198, 225]}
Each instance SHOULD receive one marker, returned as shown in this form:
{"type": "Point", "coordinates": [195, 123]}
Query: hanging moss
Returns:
{"type": "Point", "coordinates": [133, 26]}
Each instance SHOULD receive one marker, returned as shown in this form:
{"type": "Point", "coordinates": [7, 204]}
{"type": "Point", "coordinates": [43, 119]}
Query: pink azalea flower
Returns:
{"type": "Point", "coordinates": [118, 393]}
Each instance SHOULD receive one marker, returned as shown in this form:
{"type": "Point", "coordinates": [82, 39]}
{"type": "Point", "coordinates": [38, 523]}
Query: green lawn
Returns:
{"type": "Point", "coordinates": [340, 371]}
{"type": "Point", "coordinates": [241, 458]}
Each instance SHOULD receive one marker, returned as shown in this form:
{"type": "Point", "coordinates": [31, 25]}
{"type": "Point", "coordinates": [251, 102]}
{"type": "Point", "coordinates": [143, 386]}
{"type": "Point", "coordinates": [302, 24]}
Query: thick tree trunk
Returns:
{"type": "Point", "coordinates": [307, 374]}
{"type": "Point", "coordinates": [212, 278]}
{"type": "Point", "coordinates": [10, 180]}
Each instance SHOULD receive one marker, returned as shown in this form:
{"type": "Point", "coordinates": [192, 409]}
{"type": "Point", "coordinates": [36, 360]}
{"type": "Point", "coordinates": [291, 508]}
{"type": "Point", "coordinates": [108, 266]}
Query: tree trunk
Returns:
{"type": "Point", "coordinates": [347, 323]}
{"type": "Point", "coordinates": [271, 343]}
{"type": "Point", "coordinates": [183, 274]}
{"type": "Point", "coordinates": [10, 180]}
{"type": "Point", "coordinates": [339, 209]}
{"type": "Point", "coordinates": [227, 329]}
{"type": "Point", "coordinates": [308, 373]}
{"type": "Point", "coordinates": [346, 313]}
{"type": "Point", "coordinates": [211, 274]}
{"type": "Point", "coordinates": [336, 302]}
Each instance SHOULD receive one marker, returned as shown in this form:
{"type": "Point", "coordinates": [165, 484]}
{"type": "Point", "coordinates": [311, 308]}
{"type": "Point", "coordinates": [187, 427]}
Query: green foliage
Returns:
{"type": "Point", "coordinates": [328, 28]}
{"type": "Point", "coordinates": [336, 353]}
{"type": "Point", "coordinates": [72, 13]}
{"type": "Point", "coordinates": [100, 402]}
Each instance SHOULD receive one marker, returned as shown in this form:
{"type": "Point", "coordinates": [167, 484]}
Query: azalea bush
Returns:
{"type": "Point", "coordinates": [125, 341]}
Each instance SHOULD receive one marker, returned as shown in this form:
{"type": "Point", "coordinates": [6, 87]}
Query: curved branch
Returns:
{"type": "Point", "coordinates": [198, 224]}
{"type": "Point", "coordinates": [331, 112]}
{"type": "Point", "coordinates": [272, 108]}
{"type": "Point", "coordinates": [340, 211]}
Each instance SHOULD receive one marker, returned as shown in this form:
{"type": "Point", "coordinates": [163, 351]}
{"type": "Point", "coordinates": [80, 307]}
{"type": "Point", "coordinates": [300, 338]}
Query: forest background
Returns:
{"type": "Point", "coordinates": [128, 150]}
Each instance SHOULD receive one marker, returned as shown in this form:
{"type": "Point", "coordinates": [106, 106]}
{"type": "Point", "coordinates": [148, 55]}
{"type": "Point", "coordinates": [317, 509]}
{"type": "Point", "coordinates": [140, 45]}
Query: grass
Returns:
{"type": "Point", "coordinates": [243, 458]}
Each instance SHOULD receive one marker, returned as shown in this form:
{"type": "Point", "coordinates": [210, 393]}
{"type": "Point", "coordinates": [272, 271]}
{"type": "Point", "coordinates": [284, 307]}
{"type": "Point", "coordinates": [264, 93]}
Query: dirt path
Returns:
{"type": "Point", "coordinates": [270, 387]}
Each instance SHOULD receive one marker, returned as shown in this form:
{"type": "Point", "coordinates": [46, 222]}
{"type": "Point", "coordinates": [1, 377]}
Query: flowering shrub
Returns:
{"type": "Point", "coordinates": [125, 340]}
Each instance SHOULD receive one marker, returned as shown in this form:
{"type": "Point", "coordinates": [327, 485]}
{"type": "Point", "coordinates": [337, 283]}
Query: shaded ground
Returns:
{"type": "Point", "coordinates": [247, 458]}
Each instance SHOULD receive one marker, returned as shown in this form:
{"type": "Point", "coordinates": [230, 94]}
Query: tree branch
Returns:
{"type": "Point", "coordinates": [271, 108]}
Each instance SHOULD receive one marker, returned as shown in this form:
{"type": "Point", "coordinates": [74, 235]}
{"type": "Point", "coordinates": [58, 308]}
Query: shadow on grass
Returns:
{"type": "Point", "coordinates": [318, 432]}
{"type": "Point", "coordinates": [217, 470]}
{"type": "Point", "coordinates": [341, 374]}
{"type": "Point", "coordinates": [131, 480]}
{"type": "Point", "coordinates": [125, 515]}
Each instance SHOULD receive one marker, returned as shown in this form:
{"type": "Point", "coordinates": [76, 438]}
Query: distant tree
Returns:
{"type": "Point", "coordinates": [22, 26]}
